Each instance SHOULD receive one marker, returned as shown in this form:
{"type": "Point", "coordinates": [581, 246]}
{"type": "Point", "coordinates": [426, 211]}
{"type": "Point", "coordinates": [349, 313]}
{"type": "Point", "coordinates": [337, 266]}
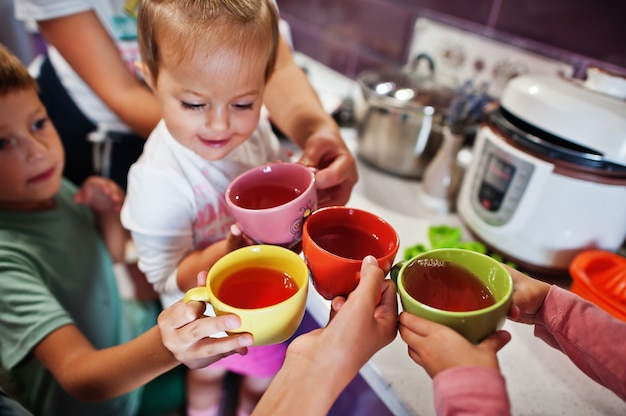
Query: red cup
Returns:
{"type": "Point", "coordinates": [336, 239]}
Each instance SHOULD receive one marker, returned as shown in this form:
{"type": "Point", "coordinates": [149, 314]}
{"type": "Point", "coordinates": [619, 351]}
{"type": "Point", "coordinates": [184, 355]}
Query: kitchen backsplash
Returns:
{"type": "Point", "coordinates": [484, 38]}
{"type": "Point", "coordinates": [465, 56]}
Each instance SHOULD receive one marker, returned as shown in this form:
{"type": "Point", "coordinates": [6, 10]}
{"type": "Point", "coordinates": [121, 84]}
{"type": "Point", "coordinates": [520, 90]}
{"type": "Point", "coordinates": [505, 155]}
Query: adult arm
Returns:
{"type": "Point", "coordinates": [85, 44]}
{"type": "Point", "coordinates": [325, 360]}
{"type": "Point", "coordinates": [295, 108]}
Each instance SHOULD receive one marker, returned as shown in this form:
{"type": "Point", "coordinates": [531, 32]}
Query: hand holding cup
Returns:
{"type": "Point", "coordinates": [265, 285]}
{"type": "Point", "coordinates": [467, 291]}
{"type": "Point", "coordinates": [270, 202]}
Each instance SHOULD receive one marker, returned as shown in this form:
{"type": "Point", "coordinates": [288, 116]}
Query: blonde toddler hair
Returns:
{"type": "Point", "coordinates": [170, 31]}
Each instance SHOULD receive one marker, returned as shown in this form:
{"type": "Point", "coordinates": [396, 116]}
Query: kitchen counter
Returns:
{"type": "Point", "coordinates": [540, 379]}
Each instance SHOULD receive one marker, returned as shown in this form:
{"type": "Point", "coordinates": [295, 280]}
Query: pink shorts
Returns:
{"type": "Point", "coordinates": [259, 362]}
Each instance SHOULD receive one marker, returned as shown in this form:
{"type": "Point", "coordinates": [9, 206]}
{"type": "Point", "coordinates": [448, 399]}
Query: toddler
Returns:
{"type": "Point", "coordinates": [207, 62]}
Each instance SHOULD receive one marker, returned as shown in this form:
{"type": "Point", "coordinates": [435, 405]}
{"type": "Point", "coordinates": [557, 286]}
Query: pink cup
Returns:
{"type": "Point", "coordinates": [270, 202]}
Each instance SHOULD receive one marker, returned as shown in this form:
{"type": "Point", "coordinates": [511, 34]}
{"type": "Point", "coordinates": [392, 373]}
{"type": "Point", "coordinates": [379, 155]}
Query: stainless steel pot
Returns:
{"type": "Point", "coordinates": [400, 118]}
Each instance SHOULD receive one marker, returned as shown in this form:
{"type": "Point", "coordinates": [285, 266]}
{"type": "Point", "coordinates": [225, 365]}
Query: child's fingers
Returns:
{"type": "Point", "coordinates": [416, 357]}
{"type": "Point", "coordinates": [416, 324]}
{"type": "Point", "coordinates": [200, 336]}
{"type": "Point", "coordinates": [201, 278]}
{"type": "Point", "coordinates": [496, 341]}
{"type": "Point", "coordinates": [180, 314]}
{"type": "Point", "coordinates": [188, 320]}
{"type": "Point", "coordinates": [81, 195]}
{"type": "Point", "coordinates": [409, 329]}
{"type": "Point", "coordinates": [235, 230]}
{"type": "Point", "coordinates": [235, 239]}
{"type": "Point", "coordinates": [207, 350]}
{"type": "Point", "coordinates": [196, 346]}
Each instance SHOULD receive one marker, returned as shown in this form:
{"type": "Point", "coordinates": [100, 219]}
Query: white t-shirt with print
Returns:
{"type": "Point", "coordinates": [175, 200]}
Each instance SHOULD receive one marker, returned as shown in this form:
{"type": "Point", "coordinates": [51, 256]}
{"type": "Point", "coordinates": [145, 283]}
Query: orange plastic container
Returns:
{"type": "Point", "coordinates": [600, 277]}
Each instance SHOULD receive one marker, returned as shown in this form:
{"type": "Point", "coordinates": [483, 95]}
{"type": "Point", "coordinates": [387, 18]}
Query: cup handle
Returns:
{"type": "Point", "coordinates": [199, 294]}
{"type": "Point", "coordinates": [395, 271]}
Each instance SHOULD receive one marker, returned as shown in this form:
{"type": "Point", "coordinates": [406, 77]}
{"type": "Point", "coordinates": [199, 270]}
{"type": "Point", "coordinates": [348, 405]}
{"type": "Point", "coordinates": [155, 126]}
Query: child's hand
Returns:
{"type": "Point", "coordinates": [236, 239]}
{"type": "Point", "coordinates": [100, 194]}
{"type": "Point", "coordinates": [186, 332]}
{"type": "Point", "coordinates": [528, 296]}
{"type": "Point", "coordinates": [437, 347]}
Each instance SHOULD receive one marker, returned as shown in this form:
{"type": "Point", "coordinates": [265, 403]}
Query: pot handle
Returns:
{"type": "Point", "coordinates": [415, 64]}
{"type": "Point", "coordinates": [395, 271]}
{"type": "Point", "coordinates": [425, 129]}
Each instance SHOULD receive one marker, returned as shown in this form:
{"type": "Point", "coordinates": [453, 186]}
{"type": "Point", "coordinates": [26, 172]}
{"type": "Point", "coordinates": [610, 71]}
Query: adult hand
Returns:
{"type": "Point", "coordinates": [337, 171]}
{"type": "Point", "coordinates": [327, 359]}
{"type": "Point", "coordinates": [370, 312]}
{"type": "Point", "coordinates": [437, 347]}
{"type": "Point", "coordinates": [358, 321]}
{"type": "Point", "coordinates": [297, 111]}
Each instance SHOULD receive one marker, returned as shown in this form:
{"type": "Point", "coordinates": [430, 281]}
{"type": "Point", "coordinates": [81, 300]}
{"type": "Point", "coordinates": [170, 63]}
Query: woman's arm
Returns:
{"type": "Point", "coordinates": [85, 44]}
{"type": "Point", "coordinates": [293, 103]}
{"type": "Point", "coordinates": [295, 108]}
{"type": "Point", "coordinates": [321, 363]}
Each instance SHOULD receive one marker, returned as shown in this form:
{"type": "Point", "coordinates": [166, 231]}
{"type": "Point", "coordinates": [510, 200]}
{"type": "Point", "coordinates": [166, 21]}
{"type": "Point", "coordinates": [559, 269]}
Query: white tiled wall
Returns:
{"type": "Point", "coordinates": [468, 55]}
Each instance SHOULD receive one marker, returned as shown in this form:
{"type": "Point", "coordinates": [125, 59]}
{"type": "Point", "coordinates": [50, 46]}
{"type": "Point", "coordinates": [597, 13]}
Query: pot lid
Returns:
{"type": "Point", "coordinates": [586, 115]}
{"type": "Point", "coordinates": [413, 87]}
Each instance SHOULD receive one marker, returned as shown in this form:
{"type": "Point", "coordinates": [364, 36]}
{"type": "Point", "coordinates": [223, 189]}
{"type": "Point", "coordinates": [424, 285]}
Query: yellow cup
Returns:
{"type": "Point", "coordinates": [269, 324]}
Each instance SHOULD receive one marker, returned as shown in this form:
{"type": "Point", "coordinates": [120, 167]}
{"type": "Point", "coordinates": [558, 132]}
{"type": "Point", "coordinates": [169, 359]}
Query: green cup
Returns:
{"type": "Point", "coordinates": [473, 324]}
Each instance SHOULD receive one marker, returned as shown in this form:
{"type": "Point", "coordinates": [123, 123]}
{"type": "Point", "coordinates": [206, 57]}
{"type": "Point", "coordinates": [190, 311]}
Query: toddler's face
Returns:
{"type": "Point", "coordinates": [31, 153]}
{"type": "Point", "coordinates": [211, 103]}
